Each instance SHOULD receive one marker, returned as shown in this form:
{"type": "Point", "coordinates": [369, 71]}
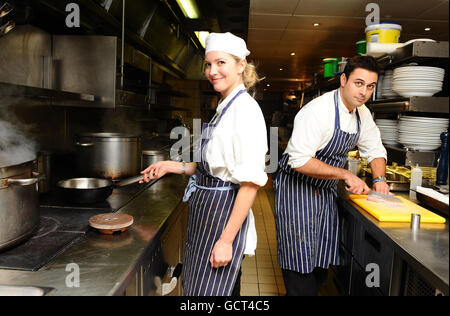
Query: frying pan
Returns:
{"type": "Point", "coordinates": [91, 190]}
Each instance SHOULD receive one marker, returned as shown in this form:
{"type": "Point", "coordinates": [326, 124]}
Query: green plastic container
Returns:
{"type": "Point", "coordinates": [330, 66]}
{"type": "Point", "coordinates": [361, 47]}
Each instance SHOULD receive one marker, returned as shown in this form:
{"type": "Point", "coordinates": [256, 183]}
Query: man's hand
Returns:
{"type": "Point", "coordinates": [381, 187]}
{"type": "Point", "coordinates": [355, 185]}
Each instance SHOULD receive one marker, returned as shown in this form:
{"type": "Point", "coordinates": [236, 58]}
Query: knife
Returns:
{"type": "Point", "coordinates": [385, 197]}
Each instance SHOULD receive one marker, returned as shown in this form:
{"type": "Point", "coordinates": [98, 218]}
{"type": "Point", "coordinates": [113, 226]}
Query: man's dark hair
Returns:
{"type": "Point", "coordinates": [365, 62]}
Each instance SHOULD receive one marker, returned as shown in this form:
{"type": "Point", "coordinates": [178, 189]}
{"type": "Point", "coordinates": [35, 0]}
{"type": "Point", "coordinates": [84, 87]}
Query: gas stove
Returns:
{"type": "Point", "coordinates": [61, 226]}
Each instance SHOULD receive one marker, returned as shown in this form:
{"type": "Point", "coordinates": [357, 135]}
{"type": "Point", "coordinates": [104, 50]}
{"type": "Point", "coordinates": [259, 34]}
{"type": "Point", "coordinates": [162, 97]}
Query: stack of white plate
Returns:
{"type": "Point", "coordinates": [421, 81]}
{"type": "Point", "coordinates": [386, 87]}
{"type": "Point", "coordinates": [421, 133]}
{"type": "Point", "coordinates": [379, 87]}
{"type": "Point", "coordinates": [388, 130]}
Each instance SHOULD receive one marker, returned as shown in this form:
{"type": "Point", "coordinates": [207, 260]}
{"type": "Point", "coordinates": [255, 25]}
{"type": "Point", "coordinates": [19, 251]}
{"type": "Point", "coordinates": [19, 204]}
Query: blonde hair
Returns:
{"type": "Point", "coordinates": [250, 77]}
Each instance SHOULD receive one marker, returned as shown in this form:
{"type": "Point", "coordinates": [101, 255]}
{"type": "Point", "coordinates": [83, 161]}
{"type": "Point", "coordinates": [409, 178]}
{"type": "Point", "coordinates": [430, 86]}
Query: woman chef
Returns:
{"type": "Point", "coordinates": [306, 185]}
{"type": "Point", "coordinates": [224, 184]}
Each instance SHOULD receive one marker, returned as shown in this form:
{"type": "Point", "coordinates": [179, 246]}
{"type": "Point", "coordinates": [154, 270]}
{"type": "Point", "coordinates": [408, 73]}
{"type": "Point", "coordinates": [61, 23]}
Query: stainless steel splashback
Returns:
{"type": "Point", "coordinates": [22, 57]}
{"type": "Point", "coordinates": [36, 64]}
{"type": "Point", "coordinates": [86, 64]}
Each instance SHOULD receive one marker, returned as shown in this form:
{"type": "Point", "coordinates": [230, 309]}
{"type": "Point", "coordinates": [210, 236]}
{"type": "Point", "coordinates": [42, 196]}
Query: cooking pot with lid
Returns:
{"type": "Point", "coordinates": [19, 203]}
{"type": "Point", "coordinates": [149, 157]}
{"type": "Point", "coordinates": [108, 155]}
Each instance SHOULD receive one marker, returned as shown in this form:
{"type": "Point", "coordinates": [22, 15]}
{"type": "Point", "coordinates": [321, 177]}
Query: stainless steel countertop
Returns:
{"type": "Point", "coordinates": [426, 249]}
{"type": "Point", "coordinates": [107, 261]}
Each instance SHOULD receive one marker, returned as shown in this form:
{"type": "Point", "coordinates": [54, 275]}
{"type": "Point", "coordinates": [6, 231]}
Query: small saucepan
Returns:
{"type": "Point", "coordinates": [91, 190]}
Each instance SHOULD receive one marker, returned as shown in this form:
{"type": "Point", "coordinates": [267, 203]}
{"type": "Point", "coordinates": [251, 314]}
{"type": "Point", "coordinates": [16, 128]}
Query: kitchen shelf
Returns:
{"type": "Point", "coordinates": [416, 52]}
{"type": "Point", "coordinates": [408, 157]}
{"type": "Point", "coordinates": [13, 90]}
{"type": "Point", "coordinates": [411, 104]}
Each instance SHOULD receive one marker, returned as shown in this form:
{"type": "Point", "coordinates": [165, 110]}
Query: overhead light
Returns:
{"type": "Point", "coordinates": [281, 69]}
{"type": "Point", "coordinates": [5, 8]}
{"type": "Point", "coordinates": [316, 24]}
{"type": "Point", "coordinates": [7, 27]}
{"type": "Point", "coordinates": [428, 29]}
{"type": "Point", "coordinates": [189, 8]}
{"type": "Point", "coordinates": [292, 54]}
{"type": "Point", "coordinates": [268, 85]}
{"type": "Point", "coordinates": [202, 35]}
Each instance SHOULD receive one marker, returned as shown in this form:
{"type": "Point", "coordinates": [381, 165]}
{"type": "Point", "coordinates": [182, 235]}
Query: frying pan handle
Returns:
{"type": "Point", "coordinates": [84, 144]}
{"type": "Point", "coordinates": [24, 182]}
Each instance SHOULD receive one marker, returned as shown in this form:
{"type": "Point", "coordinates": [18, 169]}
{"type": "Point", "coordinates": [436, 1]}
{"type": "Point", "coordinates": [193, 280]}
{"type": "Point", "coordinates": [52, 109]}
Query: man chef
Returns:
{"type": "Point", "coordinates": [306, 185]}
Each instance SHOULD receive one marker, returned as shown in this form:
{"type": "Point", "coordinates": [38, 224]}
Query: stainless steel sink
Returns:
{"type": "Point", "coordinates": [12, 290]}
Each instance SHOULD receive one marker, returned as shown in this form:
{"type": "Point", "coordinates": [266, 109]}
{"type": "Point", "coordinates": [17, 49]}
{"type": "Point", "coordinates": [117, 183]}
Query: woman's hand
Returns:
{"type": "Point", "coordinates": [221, 254]}
{"type": "Point", "coordinates": [157, 170]}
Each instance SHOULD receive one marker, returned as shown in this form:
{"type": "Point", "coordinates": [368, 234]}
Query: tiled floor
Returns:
{"type": "Point", "coordinates": [261, 275]}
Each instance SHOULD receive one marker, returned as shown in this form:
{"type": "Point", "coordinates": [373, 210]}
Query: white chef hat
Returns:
{"type": "Point", "coordinates": [228, 43]}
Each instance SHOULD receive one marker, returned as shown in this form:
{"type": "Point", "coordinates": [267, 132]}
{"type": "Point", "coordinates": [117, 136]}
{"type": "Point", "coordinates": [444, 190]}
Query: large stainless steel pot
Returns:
{"type": "Point", "coordinates": [19, 203]}
{"type": "Point", "coordinates": [149, 157]}
{"type": "Point", "coordinates": [108, 155]}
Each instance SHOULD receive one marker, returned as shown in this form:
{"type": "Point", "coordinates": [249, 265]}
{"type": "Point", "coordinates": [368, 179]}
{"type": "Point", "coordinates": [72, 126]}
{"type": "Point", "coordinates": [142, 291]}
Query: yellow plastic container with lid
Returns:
{"type": "Point", "coordinates": [384, 32]}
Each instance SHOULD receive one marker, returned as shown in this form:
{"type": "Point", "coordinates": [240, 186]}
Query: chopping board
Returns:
{"type": "Point", "coordinates": [400, 213]}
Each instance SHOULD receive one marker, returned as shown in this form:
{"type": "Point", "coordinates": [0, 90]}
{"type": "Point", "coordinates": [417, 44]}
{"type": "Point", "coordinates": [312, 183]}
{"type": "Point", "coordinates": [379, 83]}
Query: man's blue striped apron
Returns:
{"type": "Point", "coordinates": [211, 201]}
{"type": "Point", "coordinates": [306, 209]}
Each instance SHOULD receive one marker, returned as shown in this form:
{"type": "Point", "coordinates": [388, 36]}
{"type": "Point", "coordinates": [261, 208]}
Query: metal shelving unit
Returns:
{"type": "Point", "coordinates": [423, 53]}
{"type": "Point", "coordinates": [411, 104]}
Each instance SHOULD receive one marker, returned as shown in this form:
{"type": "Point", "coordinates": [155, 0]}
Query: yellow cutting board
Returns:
{"type": "Point", "coordinates": [401, 213]}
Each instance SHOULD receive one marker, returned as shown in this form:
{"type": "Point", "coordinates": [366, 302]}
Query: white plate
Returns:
{"type": "Point", "coordinates": [386, 120]}
{"type": "Point", "coordinates": [431, 131]}
{"type": "Point", "coordinates": [419, 141]}
{"type": "Point", "coordinates": [389, 95]}
{"type": "Point", "coordinates": [426, 140]}
{"type": "Point", "coordinates": [418, 76]}
{"type": "Point", "coordinates": [420, 147]}
{"type": "Point", "coordinates": [423, 119]}
{"type": "Point", "coordinates": [390, 127]}
{"type": "Point", "coordinates": [408, 94]}
{"type": "Point", "coordinates": [417, 83]}
{"type": "Point", "coordinates": [419, 69]}
{"type": "Point", "coordinates": [416, 88]}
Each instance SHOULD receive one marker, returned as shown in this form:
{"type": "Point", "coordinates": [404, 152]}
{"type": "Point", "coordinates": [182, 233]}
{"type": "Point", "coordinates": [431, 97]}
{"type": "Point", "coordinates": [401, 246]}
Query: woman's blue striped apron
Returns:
{"type": "Point", "coordinates": [211, 201]}
{"type": "Point", "coordinates": [306, 209]}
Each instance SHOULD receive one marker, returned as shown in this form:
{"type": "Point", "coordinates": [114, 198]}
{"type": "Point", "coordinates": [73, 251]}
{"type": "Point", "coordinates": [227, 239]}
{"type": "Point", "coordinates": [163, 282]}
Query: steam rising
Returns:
{"type": "Point", "coordinates": [15, 146]}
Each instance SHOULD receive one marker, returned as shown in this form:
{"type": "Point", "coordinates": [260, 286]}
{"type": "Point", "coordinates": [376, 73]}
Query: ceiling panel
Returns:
{"type": "Point", "coordinates": [271, 6]}
{"type": "Point", "coordinates": [265, 34]}
{"type": "Point", "coordinates": [439, 13]}
{"type": "Point", "coordinates": [278, 21]}
{"type": "Point", "coordinates": [406, 8]}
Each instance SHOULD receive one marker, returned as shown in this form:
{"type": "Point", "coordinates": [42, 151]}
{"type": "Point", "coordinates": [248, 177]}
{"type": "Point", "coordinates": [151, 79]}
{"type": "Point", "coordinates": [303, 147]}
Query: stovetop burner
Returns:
{"type": "Point", "coordinates": [47, 225]}
{"type": "Point", "coordinates": [58, 230]}
{"type": "Point", "coordinates": [61, 225]}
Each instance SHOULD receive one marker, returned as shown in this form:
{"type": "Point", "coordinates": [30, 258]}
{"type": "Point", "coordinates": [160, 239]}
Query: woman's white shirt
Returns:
{"type": "Point", "coordinates": [236, 151]}
{"type": "Point", "coordinates": [314, 127]}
